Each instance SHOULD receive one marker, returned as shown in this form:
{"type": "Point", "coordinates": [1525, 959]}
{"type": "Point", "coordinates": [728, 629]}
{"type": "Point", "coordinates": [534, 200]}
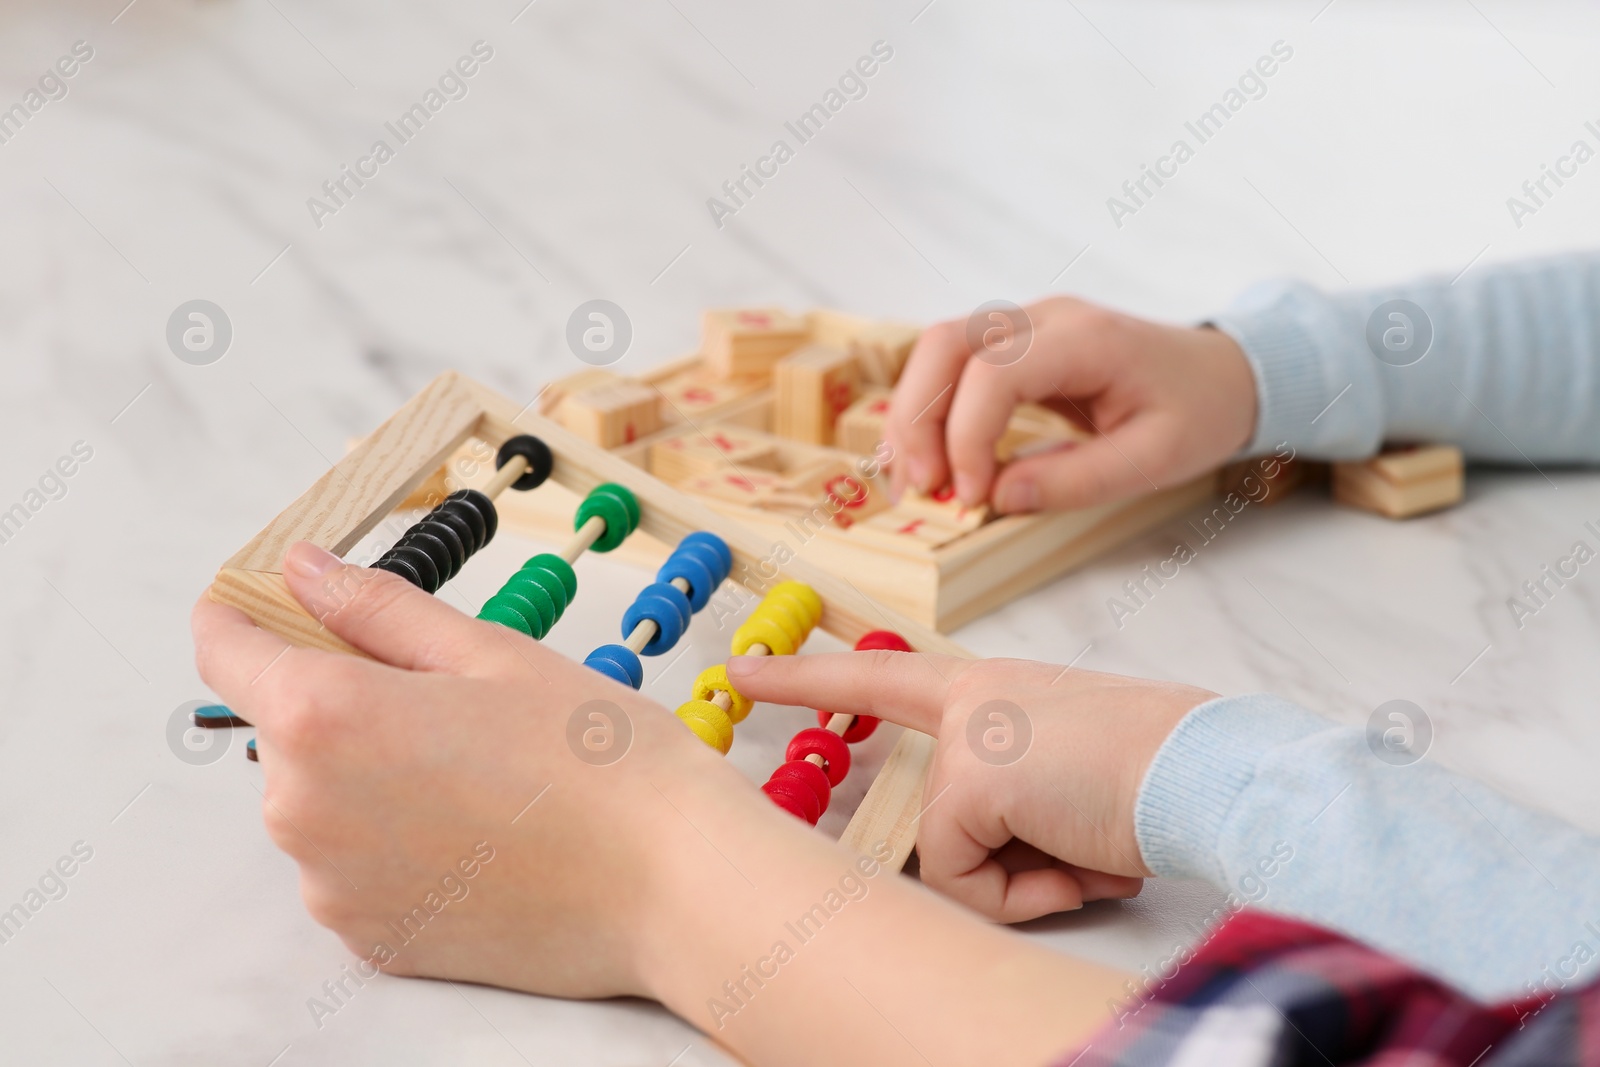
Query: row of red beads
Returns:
{"type": "Point", "coordinates": [802, 788]}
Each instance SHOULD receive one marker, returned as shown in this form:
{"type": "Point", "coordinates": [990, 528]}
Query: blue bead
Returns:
{"type": "Point", "coordinates": [250, 751]}
{"type": "Point", "coordinates": [696, 565]}
{"type": "Point", "coordinates": [619, 662]}
{"type": "Point", "coordinates": [717, 545]}
{"type": "Point", "coordinates": [663, 605]}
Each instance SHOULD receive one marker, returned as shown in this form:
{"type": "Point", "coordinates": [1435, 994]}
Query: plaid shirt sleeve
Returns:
{"type": "Point", "coordinates": [1265, 991]}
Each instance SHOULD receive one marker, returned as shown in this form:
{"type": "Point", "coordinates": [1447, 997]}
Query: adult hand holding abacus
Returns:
{"type": "Point", "coordinates": [1030, 807]}
{"type": "Point", "coordinates": [1166, 403]}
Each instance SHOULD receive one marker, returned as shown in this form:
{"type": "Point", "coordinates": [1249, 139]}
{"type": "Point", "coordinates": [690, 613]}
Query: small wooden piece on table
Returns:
{"type": "Point", "coordinates": [1402, 482]}
{"type": "Point", "coordinates": [747, 342]}
{"type": "Point", "coordinates": [812, 386]}
{"type": "Point", "coordinates": [611, 413]}
{"type": "Point", "coordinates": [860, 426]}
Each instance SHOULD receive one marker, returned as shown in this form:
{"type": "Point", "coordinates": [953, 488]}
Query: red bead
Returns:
{"type": "Point", "coordinates": [830, 746]}
{"type": "Point", "coordinates": [809, 775]}
{"type": "Point", "coordinates": [884, 640]}
{"type": "Point", "coordinates": [794, 798]}
{"type": "Point", "coordinates": [859, 730]}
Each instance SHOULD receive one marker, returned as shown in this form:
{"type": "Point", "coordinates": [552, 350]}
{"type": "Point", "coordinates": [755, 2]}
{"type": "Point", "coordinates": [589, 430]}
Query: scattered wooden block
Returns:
{"type": "Point", "coordinates": [860, 426]}
{"type": "Point", "coordinates": [812, 386]}
{"type": "Point", "coordinates": [1265, 480]}
{"type": "Point", "coordinates": [898, 531]}
{"type": "Point", "coordinates": [611, 413]}
{"type": "Point", "coordinates": [943, 508]}
{"type": "Point", "coordinates": [882, 349]}
{"type": "Point", "coordinates": [715, 450]}
{"type": "Point", "coordinates": [1402, 482]}
{"type": "Point", "coordinates": [747, 342]}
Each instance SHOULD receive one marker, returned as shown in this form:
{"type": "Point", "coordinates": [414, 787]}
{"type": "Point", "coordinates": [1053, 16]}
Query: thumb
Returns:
{"type": "Point", "coordinates": [908, 688]}
{"type": "Point", "coordinates": [380, 613]}
{"type": "Point", "coordinates": [1103, 469]}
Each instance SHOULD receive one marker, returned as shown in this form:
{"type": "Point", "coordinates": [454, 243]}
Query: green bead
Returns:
{"type": "Point", "coordinates": [628, 499]}
{"type": "Point", "coordinates": [612, 508]}
{"type": "Point", "coordinates": [520, 590]}
{"type": "Point", "coordinates": [566, 578]}
{"type": "Point", "coordinates": [506, 616]}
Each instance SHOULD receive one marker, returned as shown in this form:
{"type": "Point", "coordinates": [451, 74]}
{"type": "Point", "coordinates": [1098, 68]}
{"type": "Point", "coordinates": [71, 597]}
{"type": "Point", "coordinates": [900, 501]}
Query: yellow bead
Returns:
{"type": "Point", "coordinates": [715, 680]}
{"type": "Point", "coordinates": [709, 723]}
{"type": "Point", "coordinates": [762, 630]}
{"type": "Point", "coordinates": [805, 594]}
{"type": "Point", "coordinates": [789, 612]}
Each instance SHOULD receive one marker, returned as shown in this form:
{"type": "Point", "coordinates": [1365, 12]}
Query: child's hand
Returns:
{"type": "Point", "coordinates": [1168, 403]}
{"type": "Point", "coordinates": [1030, 810]}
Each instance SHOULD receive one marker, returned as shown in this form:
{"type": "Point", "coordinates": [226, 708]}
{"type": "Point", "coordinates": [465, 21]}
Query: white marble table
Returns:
{"type": "Point", "coordinates": [977, 165]}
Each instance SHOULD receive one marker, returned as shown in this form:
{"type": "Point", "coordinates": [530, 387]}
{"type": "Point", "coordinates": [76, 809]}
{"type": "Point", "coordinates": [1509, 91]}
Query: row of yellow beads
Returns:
{"type": "Point", "coordinates": [778, 627]}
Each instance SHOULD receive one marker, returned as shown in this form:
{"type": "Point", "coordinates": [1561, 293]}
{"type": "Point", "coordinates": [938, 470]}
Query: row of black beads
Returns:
{"type": "Point", "coordinates": [435, 549]}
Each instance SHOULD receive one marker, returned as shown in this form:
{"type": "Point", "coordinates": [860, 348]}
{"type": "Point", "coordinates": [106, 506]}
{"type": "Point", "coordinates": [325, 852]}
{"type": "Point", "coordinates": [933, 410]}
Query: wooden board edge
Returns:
{"type": "Point", "coordinates": [889, 813]}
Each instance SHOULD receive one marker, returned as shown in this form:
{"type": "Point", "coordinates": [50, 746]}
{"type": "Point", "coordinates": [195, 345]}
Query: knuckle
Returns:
{"type": "Point", "coordinates": [324, 903]}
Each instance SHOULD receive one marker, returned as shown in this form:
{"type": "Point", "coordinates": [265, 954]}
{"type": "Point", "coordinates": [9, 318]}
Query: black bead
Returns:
{"type": "Point", "coordinates": [436, 550]}
{"type": "Point", "coordinates": [464, 530]}
{"type": "Point", "coordinates": [402, 567]}
{"type": "Point", "coordinates": [427, 572]}
{"type": "Point", "coordinates": [446, 534]}
{"type": "Point", "coordinates": [535, 451]}
{"type": "Point", "coordinates": [483, 506]}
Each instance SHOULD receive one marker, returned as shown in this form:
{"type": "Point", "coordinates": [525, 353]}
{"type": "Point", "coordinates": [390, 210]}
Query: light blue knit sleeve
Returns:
{"type": "Point", "coordinates": [1292, 813]}
{"type": "Point", "coordinates": [1504, 361]}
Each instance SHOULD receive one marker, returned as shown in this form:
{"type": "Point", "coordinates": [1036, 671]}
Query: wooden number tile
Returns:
{"type": "Point", "coordinates": [696, 393]}
{"type": "Point", "coordinates": [1402, 482]}
{"type": "Point", "coordinates": [747, 342]}
{"type": "Point", "coordinates": [943, 507]}
{"type": "Point", "coordinates": [812, 387]}
{"type": "Point", "coordinates": [715, 450]}
{"type": "Point", "coordinates": [748, 487]}
{"type": "Point", "coordinates": [860, 426]}
{"type": "Point", "coordinates": [899, 531]}
{"type": "Point", "coordinates": [611, 413]}
{"type": "Point", "coordinates": [833, 485]}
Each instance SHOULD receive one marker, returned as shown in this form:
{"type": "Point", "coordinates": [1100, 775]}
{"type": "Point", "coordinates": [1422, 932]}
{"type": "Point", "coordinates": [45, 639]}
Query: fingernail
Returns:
{"type": "Point", "coordinates": [967, 489]}
{"type": "Point", "coordinates": [920, 475]}
{"type": "Point", "coordinates": [1018, 496]}
{"type": "Point", "coordinates": [309, 561]}
{"type": "Point", "coordinates": [744, 666]}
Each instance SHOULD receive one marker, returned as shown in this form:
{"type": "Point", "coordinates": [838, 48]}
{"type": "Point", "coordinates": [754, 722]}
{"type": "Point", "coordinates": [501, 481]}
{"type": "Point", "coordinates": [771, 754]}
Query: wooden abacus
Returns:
{"type": "Point", "coordinates": [382, 471]}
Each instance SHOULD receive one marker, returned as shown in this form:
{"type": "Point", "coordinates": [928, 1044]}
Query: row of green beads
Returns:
{"type": "Point", "coordinates": [535, 597]}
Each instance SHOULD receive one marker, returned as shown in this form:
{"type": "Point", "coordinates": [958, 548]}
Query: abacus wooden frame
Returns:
{"type": "Point", "coordinates": [348, 501]}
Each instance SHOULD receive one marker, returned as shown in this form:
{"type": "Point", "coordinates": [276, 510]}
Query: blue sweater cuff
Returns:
{"type": "Point", "coordinates": [1317, 386]}
{"type": "Point", "coordinates": [1199, 774]}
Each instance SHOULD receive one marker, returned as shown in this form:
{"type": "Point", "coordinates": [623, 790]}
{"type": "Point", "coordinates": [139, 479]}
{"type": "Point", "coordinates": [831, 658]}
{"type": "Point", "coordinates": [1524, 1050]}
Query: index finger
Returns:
{"type": "Point", "coordinates": [908, 688]}
{"type": "Point", "coordinates": [921, 401]}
